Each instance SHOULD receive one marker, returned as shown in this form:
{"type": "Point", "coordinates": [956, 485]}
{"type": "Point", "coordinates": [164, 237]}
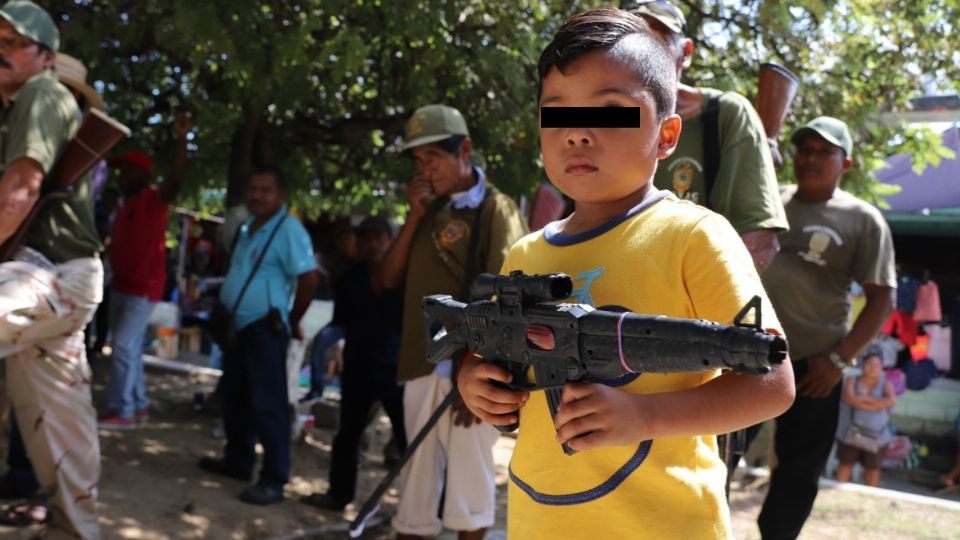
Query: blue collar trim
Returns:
{"type": "Point", "coordinates": [553, 236]}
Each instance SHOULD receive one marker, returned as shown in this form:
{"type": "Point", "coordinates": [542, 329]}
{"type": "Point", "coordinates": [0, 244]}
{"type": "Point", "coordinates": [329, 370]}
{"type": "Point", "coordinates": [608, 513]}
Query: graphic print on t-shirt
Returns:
{"type": "Point", "coordinates": [582, 293]}
{"type": "Point", "coordinates": [683, 171]}
{"type": "Point", "coordinates": [819, 243]}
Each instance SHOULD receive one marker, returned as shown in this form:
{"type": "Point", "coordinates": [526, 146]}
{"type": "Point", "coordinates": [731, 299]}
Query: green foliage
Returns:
{"type": "Point", "coordinates": [857, 59]}
{"type": "Point", "coordinates": [323, 87]}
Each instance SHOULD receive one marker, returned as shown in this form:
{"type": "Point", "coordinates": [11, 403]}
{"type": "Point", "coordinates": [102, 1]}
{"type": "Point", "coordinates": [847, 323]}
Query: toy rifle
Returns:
{"type": "Point", "coordinates": [573, 342]}
{"type": "Point", "coordinates": [545, 345]}
{"type": "Point", "coordinates": [776, 88]}
{"type": "Point", "coordinates": [97, 135]}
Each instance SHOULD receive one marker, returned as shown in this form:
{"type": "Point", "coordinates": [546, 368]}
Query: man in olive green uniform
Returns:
{"type": "Point", "coordinates": [834, 240]}
{"type": "Point", "coordinates": [51, 289]}
{"type": "Point", "coordinates": [743, 187]}
{"type": "Point", "coordinates": [459, 225]}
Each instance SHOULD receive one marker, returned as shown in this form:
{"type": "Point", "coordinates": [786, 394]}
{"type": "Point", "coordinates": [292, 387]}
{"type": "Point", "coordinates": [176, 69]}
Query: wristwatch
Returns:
{"type": "Point", "coordinates": [839, 363]}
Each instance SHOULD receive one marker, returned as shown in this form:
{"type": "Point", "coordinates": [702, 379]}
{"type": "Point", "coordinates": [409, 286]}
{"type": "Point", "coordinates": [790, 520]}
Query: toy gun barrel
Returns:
{"type": "Point", "coordinates": [656, 344]}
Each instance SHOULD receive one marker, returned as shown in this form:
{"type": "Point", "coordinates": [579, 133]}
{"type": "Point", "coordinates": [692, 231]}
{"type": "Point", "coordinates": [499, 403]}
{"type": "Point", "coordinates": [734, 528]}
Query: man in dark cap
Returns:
{"type": "Point", "coordinates": [370, 319]}
{"type": "Point", "coordinates": [51, 289]}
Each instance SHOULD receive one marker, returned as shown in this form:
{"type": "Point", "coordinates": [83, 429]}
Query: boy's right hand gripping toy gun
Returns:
{"type": "Point", "coordinates": [545, 345]}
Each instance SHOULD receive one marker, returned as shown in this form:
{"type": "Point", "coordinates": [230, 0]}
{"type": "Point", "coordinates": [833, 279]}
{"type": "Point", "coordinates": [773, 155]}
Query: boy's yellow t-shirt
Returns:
{"type": "Point", "coordinates": [665, 257]}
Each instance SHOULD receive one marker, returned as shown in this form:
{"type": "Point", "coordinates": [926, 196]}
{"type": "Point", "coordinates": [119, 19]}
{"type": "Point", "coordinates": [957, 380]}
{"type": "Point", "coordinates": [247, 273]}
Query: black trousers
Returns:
{"type": "Point", "coordinates": [256, 405]}
{"type": "Point", "coordinates": [357, 398]}
{"type": "Point", "coordinates": [802, 442]}
{"type": "Point", "coordinates": [20, 472]}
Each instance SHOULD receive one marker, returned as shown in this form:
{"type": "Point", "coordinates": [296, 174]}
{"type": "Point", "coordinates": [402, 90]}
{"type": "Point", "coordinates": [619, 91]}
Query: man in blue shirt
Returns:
{"type": "Point", "coordinates": [255, 401]}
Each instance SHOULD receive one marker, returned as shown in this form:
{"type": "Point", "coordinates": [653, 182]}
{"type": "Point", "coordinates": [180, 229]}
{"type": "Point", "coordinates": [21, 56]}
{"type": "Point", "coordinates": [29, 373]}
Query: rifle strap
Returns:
{"type": "Point", "coordinates": [470, 270]}
{"type": "Point", "coordinates": [710, 119]}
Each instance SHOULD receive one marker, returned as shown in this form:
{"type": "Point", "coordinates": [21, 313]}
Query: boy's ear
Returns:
{"type": "Point", "coordinates": [669, 135]}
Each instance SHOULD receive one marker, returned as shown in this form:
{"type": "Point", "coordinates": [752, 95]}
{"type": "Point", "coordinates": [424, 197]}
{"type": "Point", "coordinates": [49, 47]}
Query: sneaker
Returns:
{"type": "Point", "coordinates": [142, 415]}
{"type": "Point", "coordinates": [112, 421]}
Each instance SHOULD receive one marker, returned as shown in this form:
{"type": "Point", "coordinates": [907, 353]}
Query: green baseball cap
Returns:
{"type": "Point", "coordinates": [668, 14]}
{"type": "Point", "coordinates": [32, 21]}
{"type": "Point", "coordinates": [833, 130]}
{"type": "Point", "coordinates": [433, 123]}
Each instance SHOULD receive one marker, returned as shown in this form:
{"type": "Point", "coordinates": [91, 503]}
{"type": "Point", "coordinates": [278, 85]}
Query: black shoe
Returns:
{"type": "Point", "coordinates": [323, 501]}
{"type": "Point", "coordinates": [261, 495]}
{"type": "Point", "coordinates": [219, 466]}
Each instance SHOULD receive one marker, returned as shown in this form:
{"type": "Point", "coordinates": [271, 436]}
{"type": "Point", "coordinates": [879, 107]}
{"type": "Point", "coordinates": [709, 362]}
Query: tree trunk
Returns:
{"type": "Point", "coordinates": [242, 154]}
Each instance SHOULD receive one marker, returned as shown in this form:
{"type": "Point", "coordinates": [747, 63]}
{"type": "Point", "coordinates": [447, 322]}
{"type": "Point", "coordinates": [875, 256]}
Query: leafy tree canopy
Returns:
{"type": "Point", "coordinates": [323, 87]}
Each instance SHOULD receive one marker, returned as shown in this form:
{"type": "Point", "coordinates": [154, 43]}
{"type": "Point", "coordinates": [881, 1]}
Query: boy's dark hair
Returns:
{"type": "Point", "coordinates": [605, 29]}
{"type": "Point", "coordinates": [271, 170]}
{"type": "Point", "coordinates": [451, 145]}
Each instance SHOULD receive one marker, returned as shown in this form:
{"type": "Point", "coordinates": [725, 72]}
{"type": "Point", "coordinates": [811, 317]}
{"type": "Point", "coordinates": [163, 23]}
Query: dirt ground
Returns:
{"type": "Point", "coordinates": [152, 489]}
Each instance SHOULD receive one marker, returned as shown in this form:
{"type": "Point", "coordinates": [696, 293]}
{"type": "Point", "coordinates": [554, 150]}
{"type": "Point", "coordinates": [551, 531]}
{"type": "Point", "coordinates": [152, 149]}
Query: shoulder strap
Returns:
{"type": "Point", "coordinates": [256, 265]}
{"type": "Point", "coordinates": [710, 118]}
{"type": "Point", "coordinates": [470, 270]}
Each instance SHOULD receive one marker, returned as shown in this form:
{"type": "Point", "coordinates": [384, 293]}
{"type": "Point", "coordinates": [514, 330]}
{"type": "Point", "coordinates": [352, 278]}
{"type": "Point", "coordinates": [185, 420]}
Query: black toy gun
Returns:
{"type": "Point", "coordinates": [545, 345]}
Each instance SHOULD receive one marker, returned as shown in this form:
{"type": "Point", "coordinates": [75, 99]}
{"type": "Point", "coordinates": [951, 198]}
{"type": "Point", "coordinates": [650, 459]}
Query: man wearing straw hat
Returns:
{"type": "Point", "coordinates": [740, 184]}
{"type": "Point", "coordinates": [20, 480]}
{"type": "Point", "coordinates": [51, 288]}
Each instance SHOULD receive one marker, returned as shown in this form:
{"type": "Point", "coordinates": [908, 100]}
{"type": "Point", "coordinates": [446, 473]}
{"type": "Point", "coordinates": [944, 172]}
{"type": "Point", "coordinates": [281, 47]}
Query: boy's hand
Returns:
{"type": "Point", "coordinates": [595, 415]}
{"type": "Point", "coordinates": [493, 404]}
{"type": "Point", "coordinates": [462, 415]}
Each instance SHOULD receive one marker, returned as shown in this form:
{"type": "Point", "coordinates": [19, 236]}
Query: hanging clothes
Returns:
{"type": "Point", "coordinates": [928, 303]}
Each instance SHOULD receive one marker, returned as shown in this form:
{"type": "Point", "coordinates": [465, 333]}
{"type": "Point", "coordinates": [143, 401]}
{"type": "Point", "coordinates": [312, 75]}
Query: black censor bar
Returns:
{"type": "Point", "coordinates": [589, 117]}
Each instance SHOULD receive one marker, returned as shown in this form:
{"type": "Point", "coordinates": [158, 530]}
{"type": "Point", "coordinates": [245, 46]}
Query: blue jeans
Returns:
{"type": "Point", "coordinates": [127, 393]}
{"type": "Point", "coordinates": [325, 338]}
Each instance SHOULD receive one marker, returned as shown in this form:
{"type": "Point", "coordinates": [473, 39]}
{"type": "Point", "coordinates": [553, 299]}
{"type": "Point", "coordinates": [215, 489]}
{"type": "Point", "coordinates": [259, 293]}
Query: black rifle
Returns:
{"type": "Point", "coordinates": [559, 343]}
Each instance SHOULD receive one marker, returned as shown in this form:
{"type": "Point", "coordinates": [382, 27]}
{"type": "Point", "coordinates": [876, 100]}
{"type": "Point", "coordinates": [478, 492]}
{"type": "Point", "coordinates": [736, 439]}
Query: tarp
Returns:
{"type": "Point", "coordinates": [928, 203]}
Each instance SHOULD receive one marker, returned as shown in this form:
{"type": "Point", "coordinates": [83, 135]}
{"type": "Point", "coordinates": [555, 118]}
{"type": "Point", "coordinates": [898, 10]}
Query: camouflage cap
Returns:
{"type": "Point", "coordinates": [433, 123]}
{"type": "Point", "coordinates": [32, 21]}
{"type": "Point", "coordinates": [663, 11]}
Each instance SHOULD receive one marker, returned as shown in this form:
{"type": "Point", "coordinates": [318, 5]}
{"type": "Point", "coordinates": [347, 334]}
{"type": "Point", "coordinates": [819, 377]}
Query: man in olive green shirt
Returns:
{"type": "Point", "coordinates": [834, 240]}
{"type": "Point", "coordinates": [454, 210]}
{"type": "Point", "coordinates": [744, 188]}
{"type": "Point", "coordinates": [51, 289]}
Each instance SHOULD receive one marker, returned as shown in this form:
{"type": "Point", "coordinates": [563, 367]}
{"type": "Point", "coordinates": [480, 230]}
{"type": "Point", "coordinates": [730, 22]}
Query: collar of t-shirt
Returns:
{"type": "Point", "coordinates": [268, 226]}
{"type": "Point", "coordinates": [472, 197]}
{"type": "Point", "coordinates": [45, 73]}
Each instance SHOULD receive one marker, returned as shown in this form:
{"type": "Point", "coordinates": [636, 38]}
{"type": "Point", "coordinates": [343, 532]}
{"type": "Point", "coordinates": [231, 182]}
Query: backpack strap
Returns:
{"type": "Point", "coordinates": [710, 118]}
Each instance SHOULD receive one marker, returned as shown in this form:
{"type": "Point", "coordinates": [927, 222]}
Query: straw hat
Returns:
{"type": "Point", "coordinates": [73, 74]}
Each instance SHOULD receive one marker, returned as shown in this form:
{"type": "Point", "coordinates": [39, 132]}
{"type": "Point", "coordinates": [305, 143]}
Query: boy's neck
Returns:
{"type": "Point", "coordinates": [589, 216]}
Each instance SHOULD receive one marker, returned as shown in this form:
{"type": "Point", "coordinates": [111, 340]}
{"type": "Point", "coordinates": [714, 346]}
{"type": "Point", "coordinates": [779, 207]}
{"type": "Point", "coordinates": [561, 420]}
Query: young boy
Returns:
{"type": "Point", "coordinates": [646, 464]}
